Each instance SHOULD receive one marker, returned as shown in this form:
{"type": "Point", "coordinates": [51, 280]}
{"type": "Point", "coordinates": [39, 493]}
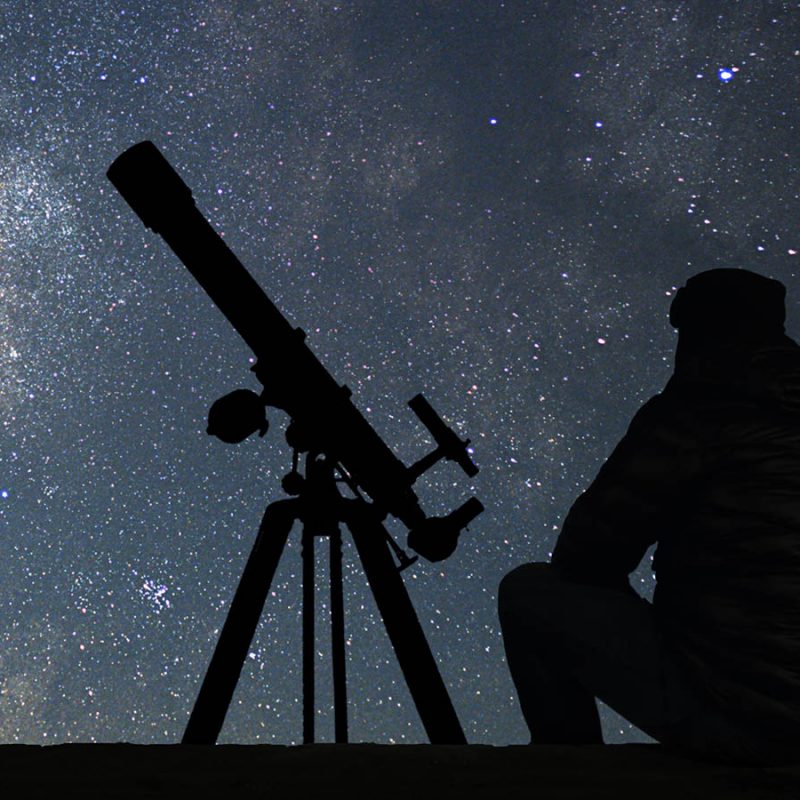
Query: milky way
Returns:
{"type": "Point", "coordinates": [488, 202]}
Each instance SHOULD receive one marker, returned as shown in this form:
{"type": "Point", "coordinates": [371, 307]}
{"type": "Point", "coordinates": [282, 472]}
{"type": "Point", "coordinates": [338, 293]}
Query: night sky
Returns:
{"type": "Point", "coordinates": [488, 202]}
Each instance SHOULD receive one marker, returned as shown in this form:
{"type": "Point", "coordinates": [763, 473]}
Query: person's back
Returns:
{"type": "Point", "coordinates": [710, 470]}
{"type": "Point", "coordinates": [728, 562]}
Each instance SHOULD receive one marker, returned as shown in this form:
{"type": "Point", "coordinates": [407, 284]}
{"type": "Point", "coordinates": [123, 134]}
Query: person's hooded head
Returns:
{"type": "Point", "coordinates": [727, 308]}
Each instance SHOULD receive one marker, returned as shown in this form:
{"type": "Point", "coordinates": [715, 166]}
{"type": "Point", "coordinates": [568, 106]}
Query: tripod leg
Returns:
{"type": "Point", "coordinates": [223, 672]}
{"type": "Point", "coordinates": [337, 640]}
{"type": "Point", "coordinates": [308, 637]}
{"type": "Point", "coordinates": [408, 639]}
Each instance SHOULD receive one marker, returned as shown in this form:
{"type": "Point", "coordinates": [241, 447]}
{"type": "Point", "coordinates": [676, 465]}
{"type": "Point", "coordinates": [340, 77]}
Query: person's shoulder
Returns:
{"type": "Point", "coordinates": [773, 375]}
{"type": "Point", "coordinates": [675, 416]}
{"type": "Point", "coordinates": [664, 402]}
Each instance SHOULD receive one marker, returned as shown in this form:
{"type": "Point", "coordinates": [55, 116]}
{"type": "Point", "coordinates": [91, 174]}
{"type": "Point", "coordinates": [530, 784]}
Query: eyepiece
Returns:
{"type": "Point", "coordinates": [436, 538]}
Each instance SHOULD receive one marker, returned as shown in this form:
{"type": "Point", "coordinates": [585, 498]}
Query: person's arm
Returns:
{"type": "Point", "coordinates": [632, 501]}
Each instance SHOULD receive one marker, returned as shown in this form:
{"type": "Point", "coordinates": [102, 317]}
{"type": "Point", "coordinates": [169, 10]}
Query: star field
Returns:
{"type": "Point", "coordinates": [488, 202]}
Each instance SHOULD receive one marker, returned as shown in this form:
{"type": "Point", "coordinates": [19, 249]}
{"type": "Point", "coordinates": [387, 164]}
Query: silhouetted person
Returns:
{"type": "Point", "coordinates": [710, 471]}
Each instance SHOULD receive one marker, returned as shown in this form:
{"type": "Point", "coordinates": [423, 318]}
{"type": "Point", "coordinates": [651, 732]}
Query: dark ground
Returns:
{"type": "Point", "coordinates": [411, 772]}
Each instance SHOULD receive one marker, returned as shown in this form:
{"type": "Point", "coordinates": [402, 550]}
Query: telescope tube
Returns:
{"type": "Point", "coordinates": [293, 377]}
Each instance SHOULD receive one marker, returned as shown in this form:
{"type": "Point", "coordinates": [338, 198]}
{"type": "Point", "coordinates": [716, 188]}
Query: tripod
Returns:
{"type": "Point", "coordinates": [321, 508]}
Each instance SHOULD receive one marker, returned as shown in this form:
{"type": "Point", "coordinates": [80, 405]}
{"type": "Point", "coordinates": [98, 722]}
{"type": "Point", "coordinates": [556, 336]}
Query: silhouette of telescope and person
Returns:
{"type": "Point", "coordinates": [708, 471]}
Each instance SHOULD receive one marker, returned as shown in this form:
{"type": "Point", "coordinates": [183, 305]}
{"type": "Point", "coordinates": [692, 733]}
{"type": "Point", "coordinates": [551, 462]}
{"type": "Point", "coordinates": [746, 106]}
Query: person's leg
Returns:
{"type": "Point", "coordinates": [556, 706]}
{"type": "Point", "coordinates": [567, 643]}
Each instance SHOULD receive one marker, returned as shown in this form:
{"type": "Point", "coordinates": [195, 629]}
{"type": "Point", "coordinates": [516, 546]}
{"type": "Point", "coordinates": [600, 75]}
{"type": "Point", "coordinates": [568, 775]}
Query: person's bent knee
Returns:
{"type": "Point", "coordinates": [519, 583]}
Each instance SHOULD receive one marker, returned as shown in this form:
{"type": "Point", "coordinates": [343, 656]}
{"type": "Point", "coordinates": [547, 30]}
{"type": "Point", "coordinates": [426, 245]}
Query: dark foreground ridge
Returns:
{"type": "Point", "coordinates": [411, 772]}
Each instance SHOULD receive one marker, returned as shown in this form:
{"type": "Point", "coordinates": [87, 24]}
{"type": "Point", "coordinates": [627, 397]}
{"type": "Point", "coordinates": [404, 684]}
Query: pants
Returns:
{"type": "Point", "coordinates": [568, 643]}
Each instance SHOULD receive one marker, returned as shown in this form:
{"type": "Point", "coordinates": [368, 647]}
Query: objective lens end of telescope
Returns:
{"type": "Point", "coordinates": [149, 184]}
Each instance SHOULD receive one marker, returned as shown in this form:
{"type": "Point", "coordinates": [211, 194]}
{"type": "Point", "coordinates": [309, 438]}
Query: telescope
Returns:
{"type": "Point", "coordinates": [339, 446]}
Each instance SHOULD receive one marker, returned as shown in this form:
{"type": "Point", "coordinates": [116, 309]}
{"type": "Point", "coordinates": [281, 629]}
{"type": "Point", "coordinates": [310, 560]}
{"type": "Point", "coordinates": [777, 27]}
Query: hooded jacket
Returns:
{"type": "Point", "coordinates": [709, 469]}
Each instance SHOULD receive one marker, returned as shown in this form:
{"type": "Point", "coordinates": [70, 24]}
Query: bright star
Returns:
{"type": "Point", "coordinates": [725, 75]}
{"type": "Point", "coordinates": [4, 494]}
